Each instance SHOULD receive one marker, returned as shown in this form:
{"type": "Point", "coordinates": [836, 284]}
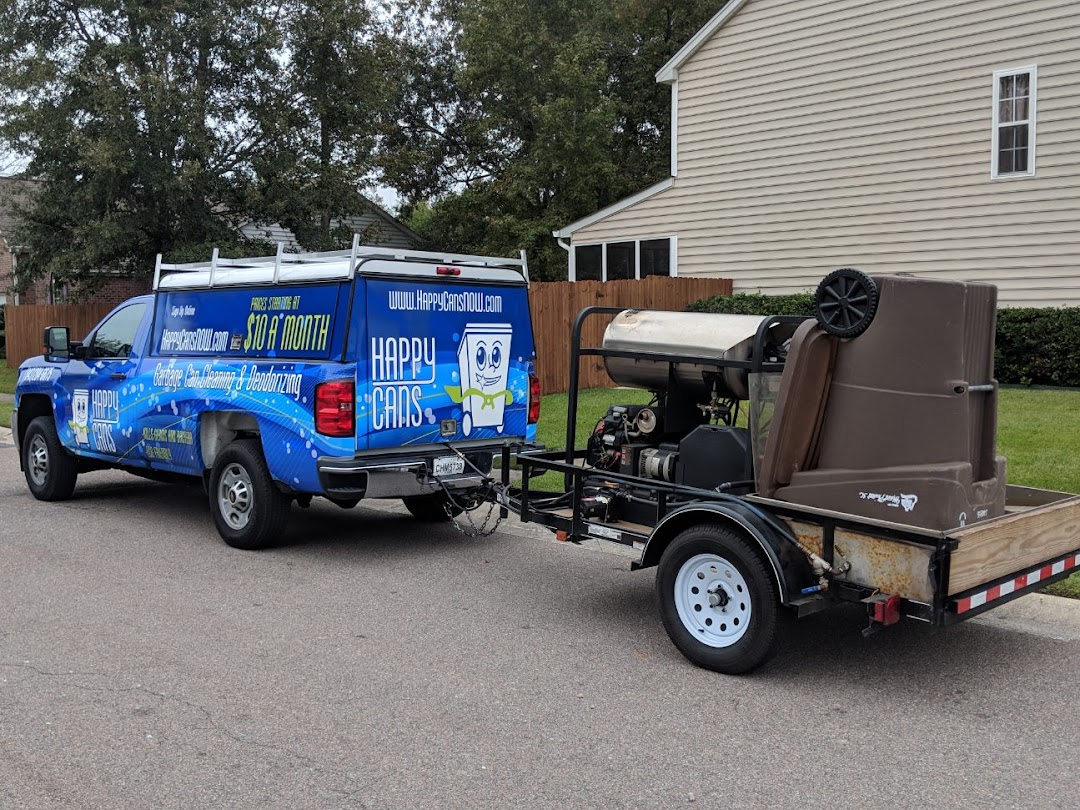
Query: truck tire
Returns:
{"type": "Point", "coordinates": [250, 512]}
{"type": "Point", "coordinates": [50, 471]}
{"type": "Point", "coordinates": [431, 508]}
{"type": "Point", "coordinates": [719, 600]}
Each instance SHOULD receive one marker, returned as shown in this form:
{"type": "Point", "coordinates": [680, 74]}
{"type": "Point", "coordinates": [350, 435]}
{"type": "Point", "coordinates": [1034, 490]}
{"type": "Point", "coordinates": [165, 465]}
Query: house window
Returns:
{"type": "Point", "coordinates": [589, 261]}
{"type": "Point", "coordinates": [656, 257]}
{"type": "Point", "coordinates": [617, 261]}
{"type": "Point", "coordinates": [1013, 147]}
{"type": "Point", "coordinates": [621, 261]}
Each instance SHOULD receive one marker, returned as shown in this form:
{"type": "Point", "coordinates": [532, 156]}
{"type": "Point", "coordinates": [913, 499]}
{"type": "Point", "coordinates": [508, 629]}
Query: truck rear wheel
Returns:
{"type": "Point", "coordinates": [719, 601]}
{"type": "Point", "coordinates": [250, 512]}
{"type": "Point", "coordinates": [50, 471]}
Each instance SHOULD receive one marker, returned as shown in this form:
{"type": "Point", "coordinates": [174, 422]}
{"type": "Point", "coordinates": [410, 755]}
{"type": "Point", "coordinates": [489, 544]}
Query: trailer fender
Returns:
{"type": "Point", "coordinates": [791, 571]}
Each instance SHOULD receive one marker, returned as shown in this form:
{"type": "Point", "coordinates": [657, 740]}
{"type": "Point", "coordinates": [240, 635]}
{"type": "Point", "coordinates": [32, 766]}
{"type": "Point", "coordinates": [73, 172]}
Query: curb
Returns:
{"type": "Point", "coordinates": [5, 437]}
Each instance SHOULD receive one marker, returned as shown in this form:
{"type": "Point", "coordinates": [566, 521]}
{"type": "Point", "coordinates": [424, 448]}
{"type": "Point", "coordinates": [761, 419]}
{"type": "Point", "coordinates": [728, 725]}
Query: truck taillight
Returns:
{"type": "Point", "coordinates": [335, 408]}
{"type": "Point", "coordinates": [534, 399]}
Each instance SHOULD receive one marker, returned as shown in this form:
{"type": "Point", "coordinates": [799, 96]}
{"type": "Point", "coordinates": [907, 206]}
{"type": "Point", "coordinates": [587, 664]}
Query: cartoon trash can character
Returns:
{"type": "Point", "coordinates": [484, 364]}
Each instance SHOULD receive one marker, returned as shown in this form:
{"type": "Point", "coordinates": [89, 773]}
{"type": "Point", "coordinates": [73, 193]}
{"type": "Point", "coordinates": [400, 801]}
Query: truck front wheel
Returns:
{"type": "Point", "coordinates": [719, 601]}
{"type": "Point", "coordinates": [50, 471]}
{"type": "Point", "coordinates": [249, 511]}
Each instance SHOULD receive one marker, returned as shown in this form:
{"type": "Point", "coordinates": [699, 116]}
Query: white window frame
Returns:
{"type": "Point", "coordinates": [673, 262]}
{"type": "Point", "coordinates": [1033, 73]}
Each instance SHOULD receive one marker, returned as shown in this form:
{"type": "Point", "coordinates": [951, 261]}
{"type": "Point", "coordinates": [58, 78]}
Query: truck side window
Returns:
{"type": "Point", "coordinates": [115, 337]}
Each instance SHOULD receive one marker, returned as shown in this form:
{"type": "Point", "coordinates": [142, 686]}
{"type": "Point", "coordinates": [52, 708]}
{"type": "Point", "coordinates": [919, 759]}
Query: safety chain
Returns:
{"type": "Point", "coordinates": [488, 526]}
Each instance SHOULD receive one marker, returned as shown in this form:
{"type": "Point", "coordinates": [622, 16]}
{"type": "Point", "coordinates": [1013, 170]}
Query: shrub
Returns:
{"type": "Point", "coordinates": [1038, 346]}
{"type": "Point", "coordinates": [756, 304]}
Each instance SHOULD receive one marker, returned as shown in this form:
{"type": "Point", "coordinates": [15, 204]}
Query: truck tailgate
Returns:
{"type": "Point", "coordinates": [1039, 537]}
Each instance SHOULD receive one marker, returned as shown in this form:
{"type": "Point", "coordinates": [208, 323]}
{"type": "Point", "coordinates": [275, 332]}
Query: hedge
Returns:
{"type": "Point", "coordinates": [1034, 346]}
{"type": "Point", "coordinates": [1038, 346]}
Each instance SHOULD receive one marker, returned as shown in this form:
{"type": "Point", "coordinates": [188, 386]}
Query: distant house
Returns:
{"type": "Point", "coordinates": [376, 227]}
{"type": "Point", "coordinates": [14, 191]}
{"type": "Point", "coordinates": [935, 137]}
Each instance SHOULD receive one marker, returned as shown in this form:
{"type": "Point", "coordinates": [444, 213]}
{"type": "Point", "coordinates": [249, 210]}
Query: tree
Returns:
{"type": "Point", "coordinates": [139, 119]}
{"type": "Point", "coordinates": [324, 125]}
{"type": "Point", "coordinates": [525, 115]}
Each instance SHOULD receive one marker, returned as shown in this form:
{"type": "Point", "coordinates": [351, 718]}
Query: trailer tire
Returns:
{"type": "Point", "coordinates": [431, 508]}
{"type": "Point", "coordinates": [719, 600]}
{"type": "Point", "coordinates": [50, 471]}
{"type": "Point", "coordinates": [250, 512]}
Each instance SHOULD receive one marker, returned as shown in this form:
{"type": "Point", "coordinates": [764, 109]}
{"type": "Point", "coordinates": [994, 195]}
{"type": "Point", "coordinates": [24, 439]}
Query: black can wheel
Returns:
{"type": "Point", "coordinates": [50, 471]}
{"type": "Point", "coordinates": [845, 302]}
{"type": "Point", "coordinates": [250, 512]}
{"type": "Point", "coordinates": [719, 600]}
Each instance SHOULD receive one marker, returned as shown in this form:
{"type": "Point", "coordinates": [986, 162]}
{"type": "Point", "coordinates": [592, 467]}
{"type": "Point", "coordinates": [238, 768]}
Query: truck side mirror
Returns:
{"type": "Point", "coordinates": [57, 345]}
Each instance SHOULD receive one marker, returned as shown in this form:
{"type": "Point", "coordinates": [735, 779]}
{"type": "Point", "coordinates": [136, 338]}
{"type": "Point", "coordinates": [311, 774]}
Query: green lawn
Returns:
{"type": "Point", "coordinates": [8, 377]}
{"type": "Point", "coordinates": [1039, 433]}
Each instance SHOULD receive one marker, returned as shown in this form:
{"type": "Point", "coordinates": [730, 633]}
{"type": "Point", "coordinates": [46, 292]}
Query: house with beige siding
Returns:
{"type": "Point", "coordinates": [933, 137]}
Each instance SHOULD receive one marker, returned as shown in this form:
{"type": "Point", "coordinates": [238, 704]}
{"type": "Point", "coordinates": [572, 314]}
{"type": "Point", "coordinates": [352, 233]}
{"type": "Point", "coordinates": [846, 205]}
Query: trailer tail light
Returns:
{"type": "Point", "coordinates": [448, 271]}
{"type": "Point", "coordinates": [335, 408]}
{"type": "Point", "coordinates": [534, 399]}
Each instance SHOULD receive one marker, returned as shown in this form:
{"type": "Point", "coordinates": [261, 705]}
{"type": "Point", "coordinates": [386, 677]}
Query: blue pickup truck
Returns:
{"type": "Point", "coordinates": [367, 373]}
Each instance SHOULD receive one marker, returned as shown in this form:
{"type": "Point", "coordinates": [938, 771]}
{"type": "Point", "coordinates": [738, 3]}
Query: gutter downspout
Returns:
{"type": "Point", "coordinates": [571, 270]}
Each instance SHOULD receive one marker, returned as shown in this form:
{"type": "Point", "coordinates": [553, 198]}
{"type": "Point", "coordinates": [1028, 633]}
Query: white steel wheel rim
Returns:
{"type": "Point", "coordinates": [39, 460]}
{"type": "Point", "coordinates": [235, 497]}
{"type": "Point", "coordinates": [713, 600]}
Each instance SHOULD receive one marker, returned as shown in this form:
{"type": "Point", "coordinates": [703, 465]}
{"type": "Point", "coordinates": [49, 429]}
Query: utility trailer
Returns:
{"type": "Point", "coordinates": [867, 471]}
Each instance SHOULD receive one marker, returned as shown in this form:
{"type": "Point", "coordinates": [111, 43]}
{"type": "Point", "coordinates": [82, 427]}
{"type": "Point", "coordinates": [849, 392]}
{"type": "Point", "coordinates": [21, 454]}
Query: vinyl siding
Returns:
{"type": "Point", "coordinates": [853, 133]}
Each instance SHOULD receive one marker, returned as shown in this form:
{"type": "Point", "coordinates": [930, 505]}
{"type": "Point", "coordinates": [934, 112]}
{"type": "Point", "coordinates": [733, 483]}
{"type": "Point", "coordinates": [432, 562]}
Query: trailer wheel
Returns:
{"type": "Point", "coordinates": [845, 302]}
{"type": "Point", "coordinates": [431, 508]}
{"type": "Point", "coordinates": [250, 512]}
{"type": "Point", "coordinates": [719, 601]}
{"type": "Point", "coordinates": [50, 471]}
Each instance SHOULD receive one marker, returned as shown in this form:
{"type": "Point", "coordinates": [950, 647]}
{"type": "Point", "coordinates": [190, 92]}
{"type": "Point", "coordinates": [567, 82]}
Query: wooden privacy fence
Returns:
{"type": "Point", "coordinates": [25, 324]}
{"type": "Point", "coordinates": [555, 306]}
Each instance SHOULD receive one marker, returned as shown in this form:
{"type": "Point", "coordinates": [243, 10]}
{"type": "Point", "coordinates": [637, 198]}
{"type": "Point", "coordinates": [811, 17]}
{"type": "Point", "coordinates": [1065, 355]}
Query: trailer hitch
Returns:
{"type": "Point", "coordinates": [492, 492]}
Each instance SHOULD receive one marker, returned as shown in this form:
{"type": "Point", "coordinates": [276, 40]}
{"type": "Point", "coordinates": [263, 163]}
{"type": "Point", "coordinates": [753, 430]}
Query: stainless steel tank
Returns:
{"type": "Point", "coordinates": [720, 337]}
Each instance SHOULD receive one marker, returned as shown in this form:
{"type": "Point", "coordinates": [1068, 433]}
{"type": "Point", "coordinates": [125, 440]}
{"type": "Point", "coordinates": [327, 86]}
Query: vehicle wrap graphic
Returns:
{"type": "Point", "coordinates": [431, 358]}
{"type": "Point", "coordinates": [295, 322]}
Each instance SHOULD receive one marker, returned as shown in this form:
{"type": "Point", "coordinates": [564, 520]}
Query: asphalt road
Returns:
{"type": "Point", "coordinates": [375, 662]}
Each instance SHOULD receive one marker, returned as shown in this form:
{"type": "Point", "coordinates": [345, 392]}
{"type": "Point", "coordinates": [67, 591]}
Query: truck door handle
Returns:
{"type": "Point", "coordinates": [118, 375]}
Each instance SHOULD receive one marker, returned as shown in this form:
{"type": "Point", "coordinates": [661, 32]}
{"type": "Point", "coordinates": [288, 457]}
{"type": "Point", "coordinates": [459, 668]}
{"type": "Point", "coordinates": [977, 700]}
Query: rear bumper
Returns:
{"type": "Point", "coordinates": [400, 473]}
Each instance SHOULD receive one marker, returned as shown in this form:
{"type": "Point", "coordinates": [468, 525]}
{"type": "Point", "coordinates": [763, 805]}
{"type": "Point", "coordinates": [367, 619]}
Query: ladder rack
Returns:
{"type": "Point", "coordinates": [323, 265]}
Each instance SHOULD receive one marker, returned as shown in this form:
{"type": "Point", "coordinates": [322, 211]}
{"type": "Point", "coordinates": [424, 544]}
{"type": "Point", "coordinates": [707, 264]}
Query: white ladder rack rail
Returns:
{"type": "Point", "coordinates": [330, 260]}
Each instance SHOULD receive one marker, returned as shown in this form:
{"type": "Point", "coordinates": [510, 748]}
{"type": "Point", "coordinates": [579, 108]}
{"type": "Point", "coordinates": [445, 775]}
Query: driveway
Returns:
{"type": "Point", "coordinates": [376, 662]}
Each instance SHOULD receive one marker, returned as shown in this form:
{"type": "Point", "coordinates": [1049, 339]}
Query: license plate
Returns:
{"type": "Point", "coordinates": [449, 465]}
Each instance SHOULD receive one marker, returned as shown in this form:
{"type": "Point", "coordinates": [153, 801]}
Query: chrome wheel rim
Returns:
{"type": "Point", "coordinates": [235, 496]}
{"type": "Point", "coordinates": [38, 458]}
{"type": "Point", "coordinates": [713, 600]}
